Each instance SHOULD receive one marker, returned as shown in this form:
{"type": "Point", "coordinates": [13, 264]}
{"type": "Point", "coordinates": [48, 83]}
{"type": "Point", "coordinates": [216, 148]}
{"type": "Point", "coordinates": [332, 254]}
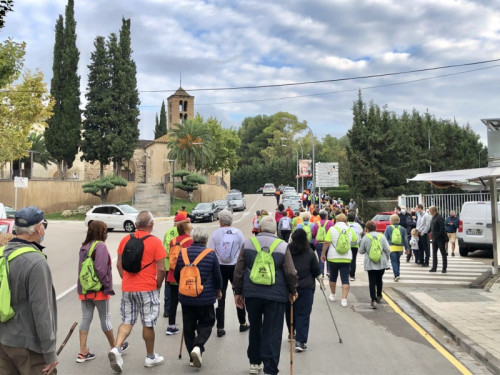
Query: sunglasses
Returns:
{"type": "Point", "coordinates": [45, 224]}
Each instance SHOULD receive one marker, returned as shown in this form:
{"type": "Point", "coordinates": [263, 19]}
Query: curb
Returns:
{"type": "Point", "coordinates": [471, 347]}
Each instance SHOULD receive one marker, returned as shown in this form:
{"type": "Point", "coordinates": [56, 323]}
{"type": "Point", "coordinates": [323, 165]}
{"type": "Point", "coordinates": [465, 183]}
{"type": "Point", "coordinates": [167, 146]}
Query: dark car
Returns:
{"type": "Point", "coordinates": [204, 212]}
{"type": "Point", "coordinates": [223, 205]}
{"type": "Point", "coordinates": [382, 220]}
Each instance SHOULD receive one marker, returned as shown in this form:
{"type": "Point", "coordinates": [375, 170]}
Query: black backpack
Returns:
{"type": "Point", "coordinates": [132, 254]}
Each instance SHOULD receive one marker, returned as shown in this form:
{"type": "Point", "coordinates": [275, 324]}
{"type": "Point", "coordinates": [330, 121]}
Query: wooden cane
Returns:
{"type": "Point", "coordinates": [65, 341]}
{"type": "Point", "coordinates": [291, 338]}
{"type": "Point", "coordinates": [182, 341]}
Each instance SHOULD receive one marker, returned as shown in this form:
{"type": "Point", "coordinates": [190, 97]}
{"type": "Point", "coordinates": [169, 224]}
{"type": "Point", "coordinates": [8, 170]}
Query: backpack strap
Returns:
{"type": "Point", "coordinates": [91, 250]}
{"type": "Point", "coordinates": [369, 236]}
{"type": "Point", "coordinates": [256, 244]}
{"type": "Point", "coordinates": [274, 245]}
{"type": "Point", "coordinates": [184, 241]}
{"type": "Point", "coordinates": [202, 255]}
{"type": "Point", "coordinates": [185, 257]}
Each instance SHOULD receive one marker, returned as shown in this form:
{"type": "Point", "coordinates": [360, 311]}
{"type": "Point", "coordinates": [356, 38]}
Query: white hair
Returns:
{"type": "Point", "coordinates": [200, 235]}
{"type": "Point", "coordinates": [226, 217]}
{"type": "Point", "coordinates": [25, 230]}
{"type": "Point", "coordinates": [268, 224]}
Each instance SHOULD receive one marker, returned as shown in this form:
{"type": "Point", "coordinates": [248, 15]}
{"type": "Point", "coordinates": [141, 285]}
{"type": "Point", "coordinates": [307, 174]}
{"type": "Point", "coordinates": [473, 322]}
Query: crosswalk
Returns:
{"type": "Point", "coordinates": [460, 271]}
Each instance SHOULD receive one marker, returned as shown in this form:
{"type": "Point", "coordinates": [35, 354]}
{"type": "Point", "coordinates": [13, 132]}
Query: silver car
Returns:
{"type": "Point", "coordinates": [236, 201]}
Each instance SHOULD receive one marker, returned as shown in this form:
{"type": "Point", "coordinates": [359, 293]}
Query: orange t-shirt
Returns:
{"type": "Point", "coordinates": [314, 219]}
{"type": "Point", "coordinates": [144, 280]}
{"type": "Point", "coordinates": [184, 214]}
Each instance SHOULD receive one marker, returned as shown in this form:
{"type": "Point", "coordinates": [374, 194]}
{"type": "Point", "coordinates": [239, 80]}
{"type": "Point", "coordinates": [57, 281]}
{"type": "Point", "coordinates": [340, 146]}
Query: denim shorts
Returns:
{"type": "Point", "coordinates": [145, 303]}
{"type": "Point", "coordinates": [343, 268]}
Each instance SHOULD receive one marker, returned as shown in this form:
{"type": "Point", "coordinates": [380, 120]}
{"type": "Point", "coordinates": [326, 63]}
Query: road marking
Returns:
{"type": "Point", "coordinates": [460, 367]}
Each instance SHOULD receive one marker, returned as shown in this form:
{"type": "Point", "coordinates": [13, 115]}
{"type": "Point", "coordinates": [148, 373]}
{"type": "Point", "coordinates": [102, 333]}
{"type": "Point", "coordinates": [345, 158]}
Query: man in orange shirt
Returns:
{"type": "Point", "coordinates": [140, 291]}
{"type": "Point", "coordinates": [182, 213]}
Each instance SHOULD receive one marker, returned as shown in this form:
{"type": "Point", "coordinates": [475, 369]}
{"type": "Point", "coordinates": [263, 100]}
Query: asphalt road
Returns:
{"type": "Point", "coordinates": [373, 341]}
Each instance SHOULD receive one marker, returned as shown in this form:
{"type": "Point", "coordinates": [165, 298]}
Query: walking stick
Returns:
{"type": "Point", "coordinates": [182, 341]}
{"type": "Point", "coordinates": [65, 341]}
{"type": "Point", "coordinates": [291, 338]}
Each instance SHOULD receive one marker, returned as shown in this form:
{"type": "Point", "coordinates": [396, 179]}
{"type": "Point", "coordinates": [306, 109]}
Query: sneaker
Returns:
{"type": "Point", "coordinates": [432, 270]}
{"type": "Point", "coordinates": [443, 271]}
{"type": "Point", "coordinates": [396, 279]}
{"type": "Point", "coordinates": [220, 332]}
{"type": "Point", "coordinates": [352, 278]}
{"type": "Point", "coordinates": [289, 337]}
{"type": "Point", "coordinates": [300, 346]}
{"type": "Point", "coordinates": [172, 330]}
{"type": "Point", "coordinates": [255, 368]}
{"type": "Point", "coordinates": [191, 364]}
{"type": "Point", "coordinates": [379, 299]}
{"type": "Point", "coordinates": [452, 254]}
{"type": "Point", "coordinates": [196, 356]}
{"type": "Point", "coordinates": [80, 358]}
{"type": "Point", "coordinates": [373, 305]}
{"type": "Point", "coordinates": [332, 297]}
{"type": "Point", "coordinates": [124, 347]}
{"type": "Point", "coordinates": [151, 362]}
{"type": "Point", "coordinates": [244, 327]}
{"type": "Point", "coordinates": [115, 360]}
{"type": "Point", "coordinates": [343, 303]}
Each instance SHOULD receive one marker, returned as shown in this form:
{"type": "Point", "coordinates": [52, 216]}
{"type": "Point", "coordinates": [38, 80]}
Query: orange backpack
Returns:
{"type": "Point", "coordinates": [174, 252]}
{"type": "Point", "coordinates": [190, 279]}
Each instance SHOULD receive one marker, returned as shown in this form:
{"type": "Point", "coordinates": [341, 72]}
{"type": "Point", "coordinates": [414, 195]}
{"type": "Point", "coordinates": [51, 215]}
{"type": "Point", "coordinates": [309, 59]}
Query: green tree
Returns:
{"type": "Point", "coordinates": [226, 145]}
{"type": "Point", "coordinates": [253, 138]}
{"type": "Point", "coordinates": [38, 153]}
{"type": "Point", "coordinates": [190, 143]}
{"type": "Point", "coordinates": [189, 182]}
{"type": "Point", "coordinates": [157, 127]}
{"type": "Point", "coordinates": [125, 98]}
{"type": "Point", "coordinates": [5, 6]}
{"type": "Point", "coordinates": [63, 134]}
{"type": "Point", "coordinates": [101, 187]}
{"type": "Point", "coordinates": [161, 125]}
{"type": "Point", "coordinates": [97, 127]}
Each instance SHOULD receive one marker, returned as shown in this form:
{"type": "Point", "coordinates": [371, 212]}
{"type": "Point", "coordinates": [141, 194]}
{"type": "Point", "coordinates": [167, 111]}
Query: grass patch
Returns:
{"type": "Point", "coordinates": [182, 202]}
{"type": "Point", "coordinates": [57, 216]}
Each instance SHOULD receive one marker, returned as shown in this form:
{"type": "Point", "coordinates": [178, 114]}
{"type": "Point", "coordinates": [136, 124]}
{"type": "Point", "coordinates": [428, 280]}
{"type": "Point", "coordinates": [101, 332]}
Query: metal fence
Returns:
{"type": "Point", "coordinates": [444, 202]}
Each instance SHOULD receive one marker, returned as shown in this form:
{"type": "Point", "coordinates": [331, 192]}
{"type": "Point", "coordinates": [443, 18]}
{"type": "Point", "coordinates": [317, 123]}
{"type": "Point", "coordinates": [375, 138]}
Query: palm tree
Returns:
{"type": "Point", "coordinates": [38, 153]}
{"type": "Point", "coordinates": [191, 143]}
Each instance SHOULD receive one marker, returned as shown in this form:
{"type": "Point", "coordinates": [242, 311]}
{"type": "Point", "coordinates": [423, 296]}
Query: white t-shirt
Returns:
{"type": "Point", "coordinates": [231, 256]}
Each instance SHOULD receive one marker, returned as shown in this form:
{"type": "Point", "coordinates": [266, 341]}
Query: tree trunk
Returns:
{"type": "Point", "coordinates": [101, 170]}
{"type": "Point", "coordinates": [190, 196]}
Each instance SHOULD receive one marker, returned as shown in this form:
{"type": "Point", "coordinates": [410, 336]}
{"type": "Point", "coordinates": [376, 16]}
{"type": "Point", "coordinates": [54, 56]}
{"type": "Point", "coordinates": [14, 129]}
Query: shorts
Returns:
{"type": "Point", "coordinates": [452, 237]}
{"type": "Point", "coordinates": [343, 268]}
{"type": "Point", "coordinates": [145, 303]}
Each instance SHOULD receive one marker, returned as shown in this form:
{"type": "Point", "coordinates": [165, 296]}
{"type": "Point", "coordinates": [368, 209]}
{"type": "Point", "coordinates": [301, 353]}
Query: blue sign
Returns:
{"type": "Point", "coordinates": [309, 184]}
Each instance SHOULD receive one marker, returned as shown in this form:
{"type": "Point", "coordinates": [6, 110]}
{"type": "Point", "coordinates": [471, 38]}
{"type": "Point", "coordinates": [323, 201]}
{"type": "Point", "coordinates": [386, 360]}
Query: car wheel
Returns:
{"type": "Point", "coordinates": [111, 229]}
{"type": "Point", "coordinates": [129, 226]}
{"type": "Point", "coordinates": [211, 218]}
{"type": "Point", "coordinates": [463, 251]}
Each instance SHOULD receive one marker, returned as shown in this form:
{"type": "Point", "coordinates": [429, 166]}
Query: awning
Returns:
{"type": "Point", "coordinates": [466, 179]}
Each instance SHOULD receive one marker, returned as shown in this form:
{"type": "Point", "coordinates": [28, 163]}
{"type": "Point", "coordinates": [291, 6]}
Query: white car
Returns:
{"type": "Point", "coordinates": [268, 189]}
{"type": "Point", "coordinates": [121, 216]}
{"type": "Point", "coordinates": [236, 201]}
{"type": "Point", "coordinates": [293, 201]}
{"type": "Point", "coordinates": [288, 190]}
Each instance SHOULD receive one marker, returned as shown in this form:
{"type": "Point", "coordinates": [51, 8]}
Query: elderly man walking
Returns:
{"type": "Point", "coordinates": [265, 303]}
{"type": "Point", "coordinates": [227, 242]}
{"type": "Point", "coordinates": [423, 226]}
{"type": "Point", "coordinates": [142, 277]}
{"type": "Point", "coordinates": [28, 338]}
{"type": "Point", "coordinates": [439, 239]}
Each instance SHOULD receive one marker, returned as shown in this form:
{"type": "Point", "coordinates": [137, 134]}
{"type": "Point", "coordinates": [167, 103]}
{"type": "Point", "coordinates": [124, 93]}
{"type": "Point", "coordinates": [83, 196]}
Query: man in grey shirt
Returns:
{"type": "Point", "coordinates": [423, 226]}
{"type": "Point", "coordinates": [28, 339]}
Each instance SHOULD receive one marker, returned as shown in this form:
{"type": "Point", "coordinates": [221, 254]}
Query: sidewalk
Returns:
{"type": "Point", "coordinates": [470, 316]}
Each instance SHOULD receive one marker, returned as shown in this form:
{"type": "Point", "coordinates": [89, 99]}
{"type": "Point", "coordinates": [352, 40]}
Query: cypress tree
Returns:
{"type": "Point", "coordinates": [163, 119]}
{"type": "Point", "coordinates": [97, 129]}
{"type": "Point", "coordinates": [63, 134]}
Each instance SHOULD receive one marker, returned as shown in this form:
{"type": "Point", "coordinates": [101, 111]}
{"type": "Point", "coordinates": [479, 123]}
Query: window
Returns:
{"type": "Point", "coordinates": [180, 105]}
{"type": "Point", "coordinates": [185, 105]}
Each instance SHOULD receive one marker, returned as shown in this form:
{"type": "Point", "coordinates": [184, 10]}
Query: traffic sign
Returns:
{"type": "Point", "coordinates": [327, 174]}
{"type": "Point", "coordinates": [21, 182]}
{"type": "Point", "coordinates": [309, 184]}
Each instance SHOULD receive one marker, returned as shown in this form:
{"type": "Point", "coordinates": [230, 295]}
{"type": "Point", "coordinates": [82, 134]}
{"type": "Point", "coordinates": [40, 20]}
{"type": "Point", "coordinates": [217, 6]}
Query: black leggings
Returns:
{"type": "Point", "coordinates": [375, 283]}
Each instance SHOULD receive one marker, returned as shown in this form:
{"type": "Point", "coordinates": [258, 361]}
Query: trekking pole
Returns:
{"type": "Point", "coordinates": [182, 341]}
{"type": "Point", "coordinates": [326, 300]}
{"type": "Point", "coordinates": [65, 341]}
{"type": "Point", "coordinates": [291, 338]}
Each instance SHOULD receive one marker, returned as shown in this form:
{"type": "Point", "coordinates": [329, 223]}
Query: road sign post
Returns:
{"type": "Point", "coordinates": [19, 182]}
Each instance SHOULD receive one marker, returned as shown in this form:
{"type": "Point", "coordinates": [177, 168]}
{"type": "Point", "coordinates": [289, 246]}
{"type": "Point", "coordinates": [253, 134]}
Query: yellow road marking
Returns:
{"type": "Point", "coordinates": [460, 367]}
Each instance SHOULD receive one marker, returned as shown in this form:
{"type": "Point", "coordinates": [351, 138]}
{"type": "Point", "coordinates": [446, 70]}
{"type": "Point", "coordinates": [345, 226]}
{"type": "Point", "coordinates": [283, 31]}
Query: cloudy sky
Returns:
{"type": "Point", "coordinates": [229, 43]}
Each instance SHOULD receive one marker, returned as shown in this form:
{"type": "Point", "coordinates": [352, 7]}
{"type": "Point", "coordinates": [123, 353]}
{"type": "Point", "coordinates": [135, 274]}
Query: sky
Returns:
{"type": "Point", "coordinates": [233, 43]}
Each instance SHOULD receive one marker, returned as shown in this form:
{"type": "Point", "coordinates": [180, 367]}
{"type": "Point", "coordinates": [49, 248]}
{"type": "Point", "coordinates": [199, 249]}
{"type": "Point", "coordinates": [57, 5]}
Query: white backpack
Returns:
{"type": "Point", "coordinates": [286, 223]}
{"type": "Point", "coordinates": [226, 250]}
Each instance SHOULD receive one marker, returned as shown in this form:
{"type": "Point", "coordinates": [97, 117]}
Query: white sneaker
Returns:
{"type": "Point", "coordinates": [255, 369]}
{"type": "Point", "coordinates": [115, 360]}
{"type": "Point", "coordinates": [352, 278]}
{"type": "Point", "coordinates": [157, 360]}
{"type": "Point", "coordinates": [196, 356]}
{"type": "Point", "coordinates": [332, 297]}
{"type": "Point", "coordinates": [343, 303]}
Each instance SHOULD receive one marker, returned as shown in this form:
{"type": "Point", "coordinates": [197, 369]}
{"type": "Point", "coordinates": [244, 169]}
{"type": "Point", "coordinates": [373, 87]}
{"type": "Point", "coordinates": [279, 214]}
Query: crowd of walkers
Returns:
{"type": "Point", "coordinates": [274, 273]}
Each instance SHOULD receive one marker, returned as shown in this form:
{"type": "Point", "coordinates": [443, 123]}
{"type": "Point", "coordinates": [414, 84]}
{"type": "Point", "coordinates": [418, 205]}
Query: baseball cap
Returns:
{"type": "Point", "coordinates": [28, 216]}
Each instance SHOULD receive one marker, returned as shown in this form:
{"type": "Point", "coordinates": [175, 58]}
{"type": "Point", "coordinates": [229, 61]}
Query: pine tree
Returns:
{"type": "Point", "coordinates": [63, 134]}
{"type": "Point", "coordinates": [97, 129]}
{"type": "Point", "coordinates": [125, 98]}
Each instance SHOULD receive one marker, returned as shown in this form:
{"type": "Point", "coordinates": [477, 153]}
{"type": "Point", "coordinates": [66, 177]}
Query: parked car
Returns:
{"type": "Point", "coordinates": [235, 191]}
{"type": "Point", "coordinates": [475, 227]}
{"type": "Point", "coordinates": [268, 189]}
{"type": "Point", "coordinates": [204, 212]}
{"type": "Point", "coordinates": [223, 205]}
{"type": "Point", "coordinates": [121, 216]}
{"type": "Point", "coordinates": [382, 220]}
{"type": "Point", "coordinates": [288, 190]}
{"type": "Point", "coordinates": [293, 201]}
{"type": "Point", "coordinates": [236, 201]}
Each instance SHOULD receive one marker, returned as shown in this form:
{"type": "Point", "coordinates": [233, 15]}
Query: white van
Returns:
{"type": "Point", "coordinates": [474, 231]}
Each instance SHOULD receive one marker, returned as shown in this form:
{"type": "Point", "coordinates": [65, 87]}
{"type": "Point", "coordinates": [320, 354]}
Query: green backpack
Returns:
{"type": "Point", "coordinates": [6, 310]}
{"type": "Point", "coordinates": [263, 270]}
{"type": "Point", "coordinates": [375, 252]}
{"type": "Point", "coordinates": [321, 234]}
{"type": "Point", "coordinates": [307, 229]}
{"type": "Point", "coordinates": [396, 235]}
{"type": "Point", "coordinates": [88, 277]}
{"type": "Point", "coordinates": [343, 244]}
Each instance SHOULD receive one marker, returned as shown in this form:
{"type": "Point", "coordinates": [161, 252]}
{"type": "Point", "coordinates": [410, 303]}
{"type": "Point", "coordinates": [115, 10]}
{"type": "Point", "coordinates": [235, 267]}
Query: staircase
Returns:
{"type": "Point", "coordinates": [152, 197]}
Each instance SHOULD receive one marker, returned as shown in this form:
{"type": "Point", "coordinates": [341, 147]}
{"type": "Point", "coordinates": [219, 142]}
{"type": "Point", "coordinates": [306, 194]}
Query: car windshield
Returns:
{"type": "Point", "coordinates": [128, 209]}
{"type": "Point", "coordinates": [269, 186]}
{"type": "Point", "coordinates": [203, 206]}
{"type": "Point", "coordinates": [295, 197]}
{"type": "Point", "coordinates": [4, 228]}
{"type": "Point", "coordinates": [220, 203]}
{"type": "Point", "coordinates": [381, 217]}
{"type": "Point", "coordinates": [234, 197]}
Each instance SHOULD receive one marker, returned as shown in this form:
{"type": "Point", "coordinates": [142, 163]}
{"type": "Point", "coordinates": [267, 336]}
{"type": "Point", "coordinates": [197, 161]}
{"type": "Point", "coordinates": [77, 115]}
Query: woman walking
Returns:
{"type": "Point", "coordinates": [397, 238]}
{"type": "Point", "coordinates": [306, 264]}
{"type": "Point", "coordinates": [375, 269]}
{"type": "Point", "coordinates": [90, 299]}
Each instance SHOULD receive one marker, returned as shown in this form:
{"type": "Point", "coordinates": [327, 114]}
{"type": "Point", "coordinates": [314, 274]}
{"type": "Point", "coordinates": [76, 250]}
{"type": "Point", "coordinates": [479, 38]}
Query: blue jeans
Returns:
{"type": "Point", "coordinates": [319, 248]}
{"type": "Point", "coordinates": [302, 308]}
{"type": "Point", "coordinates": [395, 256]}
